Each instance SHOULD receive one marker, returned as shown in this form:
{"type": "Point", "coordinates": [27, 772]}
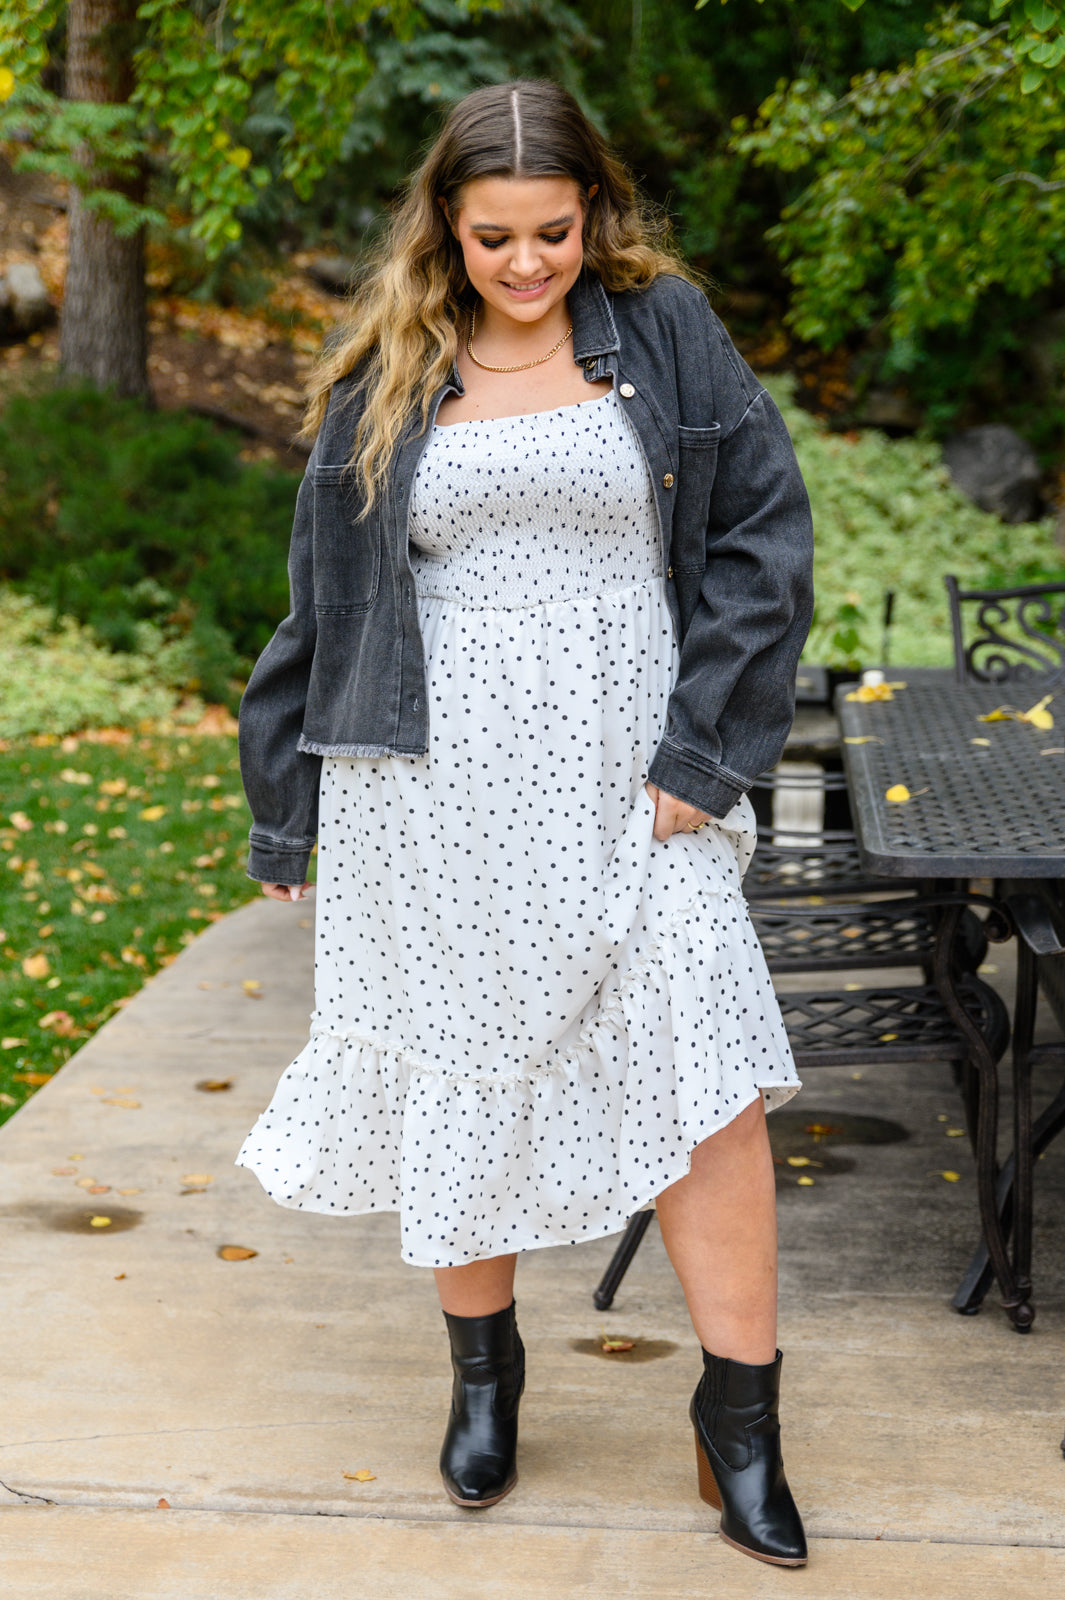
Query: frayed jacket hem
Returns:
{"type": "Point", "coordinates": [313, 747]}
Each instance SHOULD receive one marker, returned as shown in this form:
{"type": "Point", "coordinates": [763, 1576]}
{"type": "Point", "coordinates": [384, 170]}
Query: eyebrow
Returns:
{"type": "Point", "coordinates": [545, 227]}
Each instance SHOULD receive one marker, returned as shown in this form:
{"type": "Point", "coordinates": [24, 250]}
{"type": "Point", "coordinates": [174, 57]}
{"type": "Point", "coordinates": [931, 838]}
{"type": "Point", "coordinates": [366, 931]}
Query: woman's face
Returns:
{"type": "Point", "coordinates": [521, 242]}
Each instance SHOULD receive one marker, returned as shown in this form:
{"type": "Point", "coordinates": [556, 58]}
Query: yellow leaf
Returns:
{"type": "Point", "coordinates": [152, 813]}
{"type": "Point", "coordinates": [612, 1346]}
{"type": "Point", "coordinates": [122, 1100]}
{"type": "Point", "coordinates": [986, 742]}
{"type": "Point", "coordinates": [99, 1222]}
{"type": "Point", "coordinates": [1002, 714]}
{"type": "Point", "coordinates": [37, 966]}
{"type": "Point", "coordinates": [898, 794]}
{"type": "Point", "coordinates": [21, 821]}
{"type": "Point", "coordinates": [197, 1177]}
{"type": "Point", "coordinates": [7, 83]}
{"type": "Point", "coordinates": [1038, 716]}
{"type": "Point", "coordinates": [864, 738]}
{"type": "Point", "coordinates": [803, 1161]}
{"type": "Point", "coordinates": [950, 1177]}
{"type": "Point", "coordinates": [11, 1043]}
{"type": "Point", "coordinates": [364, 1475]}
{"type": "Point", "coordinates": [955, 1133]}
{"type": "Point", "coordinates": [236, 1252]}
{"type": "Point", "coordinates": [886, 1038]}
{"type": "Point", "coordinates": [113, 786]}
{"type": "Point", "coordinates": [805, 1183]}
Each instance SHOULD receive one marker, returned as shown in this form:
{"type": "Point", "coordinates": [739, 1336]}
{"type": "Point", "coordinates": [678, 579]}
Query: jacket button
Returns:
{"type": "Point", "coordinates": [626, 391]}
{"type": "Point", "coordinates": [669, 574]}
{"type": "Point", "coordinates": [667, 481]}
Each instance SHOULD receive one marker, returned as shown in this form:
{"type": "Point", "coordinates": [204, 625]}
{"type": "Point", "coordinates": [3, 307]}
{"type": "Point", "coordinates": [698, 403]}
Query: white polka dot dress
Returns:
{"type": "Point", "coordinates": [528, 1010]}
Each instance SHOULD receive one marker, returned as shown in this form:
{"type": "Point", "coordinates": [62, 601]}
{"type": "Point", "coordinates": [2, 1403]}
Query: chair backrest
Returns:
{"type": "Point", "coordinates": [1007, 635]}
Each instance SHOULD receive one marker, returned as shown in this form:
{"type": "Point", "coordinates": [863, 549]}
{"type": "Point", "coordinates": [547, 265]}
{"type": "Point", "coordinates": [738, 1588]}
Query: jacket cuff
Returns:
{"type": "Point", "coordinates": [278, 860]}
{"type": "Point", "coordinates": [708, 788]}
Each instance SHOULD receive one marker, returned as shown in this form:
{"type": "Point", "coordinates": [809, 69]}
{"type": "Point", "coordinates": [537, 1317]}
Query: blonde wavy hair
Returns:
{"type": "Point", "coordinates": [403, 323]}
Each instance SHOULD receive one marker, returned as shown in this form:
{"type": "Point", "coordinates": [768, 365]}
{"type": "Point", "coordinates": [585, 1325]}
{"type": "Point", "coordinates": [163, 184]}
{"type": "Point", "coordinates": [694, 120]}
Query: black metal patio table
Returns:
{"type": "Point", "coordinates": [985, 800]}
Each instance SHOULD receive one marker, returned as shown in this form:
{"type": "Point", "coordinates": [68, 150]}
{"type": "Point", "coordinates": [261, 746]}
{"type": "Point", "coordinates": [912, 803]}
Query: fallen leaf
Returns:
{"type": "Point", "coordinates": [610, 1346]}
{"type": "Point", "coordinates": [37, 966]}
{"type": "Point", "coordinates": [251, 986]}
{"type": "Point", "coordinates": [63, 1172]}
{"type": "Point", "coordinates": [21, 821]}
{"type": "Point", "coordinates": [863, 738]}
{"type": "Point", "coordinates": [99, 1222]}
{"type": "Point", "coordinates": [11, 1043]}
{"type": "Point", "coordinates": [898, 794]}
{"type": "Point", "coordinates": [113, 786]}
{"type": "Point", "coordinates": [1053, 750]}
{"type": "Point", "coordinates": [68, 775]}
{"type": "Point", "coordinates": [955, 1133]}
{"type": "Point", "coordinates": [122, 1100]}
{"type": "Point", "coordinates": [951, 1177]}
{"type": "Point", "coordinates": [129, 1191]}
{"type": "Point", "coordinates": [235, 1252]}
{"type": "Point", "coordinates": [986, 742]}
{"type": "Point", "coordinates": [805, 1183]}
{"type": "Point", "coordinates": [886, 1038]}
{"type": "Point", "coordinates": [119, 1276]}
{"type": "Point", "coordinates": [803, 1161]}
{"type": "Point", "coordinates": [820, 1129]}
{"type": "Point", "coordinates": [152, 813]}
{"type": "Point", "coordinates": [99, 1188]}
{"type": "Point", "coordinates": [162, 1504]}
{"type": "Point", "coordinates": [85, 1183]}
{"type": "Point", "coordinates": [60, 1023]}
{"type": "Point", "coordinates": [364, 1475]}
{"type": "Point", "coordinates": [1001, 714]}
{"type": "Point", "coordinates": [214, 1085]}
{"type": "Point", "coordinates": [33, 1078]}
{"type": "Point", "coordinates": [197, 1177]}
{"type": "Point", "coordinates": [868, 692]}
{"type": "Point", "coordinates": [1038, 715]}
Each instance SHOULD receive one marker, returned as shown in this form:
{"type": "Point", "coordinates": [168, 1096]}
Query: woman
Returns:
{"type": "Point", "coordinates": [550, 581]}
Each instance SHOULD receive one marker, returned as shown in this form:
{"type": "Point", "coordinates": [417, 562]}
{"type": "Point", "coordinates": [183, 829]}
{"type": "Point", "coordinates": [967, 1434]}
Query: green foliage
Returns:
{"type": "Point", "coordinates": [55, 677]}
{"type": "Point", "coordinates": [112, 857]}
{"type": "Point", "coordinates": [198, 69]}
{"type": "Point", "coordinates": [930, 191]}
{"type": "Point", "coordinates": [122, 518]}
{"type": "Point", "coordinates": [886, 516]}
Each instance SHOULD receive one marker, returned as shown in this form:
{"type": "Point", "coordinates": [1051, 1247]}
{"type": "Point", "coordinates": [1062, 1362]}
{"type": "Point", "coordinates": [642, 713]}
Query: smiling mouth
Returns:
{"type": "Point", "coordinates": [523, 288]}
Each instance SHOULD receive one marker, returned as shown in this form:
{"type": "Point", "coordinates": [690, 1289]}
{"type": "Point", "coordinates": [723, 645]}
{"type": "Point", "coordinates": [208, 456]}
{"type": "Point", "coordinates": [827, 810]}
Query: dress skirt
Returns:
{"type": "Point", "coordinates": [528, 1011]}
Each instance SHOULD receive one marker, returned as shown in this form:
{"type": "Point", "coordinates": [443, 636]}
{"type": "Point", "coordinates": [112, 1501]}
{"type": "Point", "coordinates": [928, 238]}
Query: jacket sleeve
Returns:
{"type": "Point", "coordinates": [280, 780]}
{"type": "Point", "coordinates": [734, 698]}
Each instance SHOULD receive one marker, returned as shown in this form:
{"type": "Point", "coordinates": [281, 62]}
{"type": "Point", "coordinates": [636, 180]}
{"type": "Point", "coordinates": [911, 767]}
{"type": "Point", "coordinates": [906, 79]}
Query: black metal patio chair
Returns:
{"type": "Point", "coordinates": [1008, 635]}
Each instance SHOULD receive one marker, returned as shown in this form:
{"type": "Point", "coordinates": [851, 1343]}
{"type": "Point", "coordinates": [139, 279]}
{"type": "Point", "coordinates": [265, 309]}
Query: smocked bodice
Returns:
{"type": "Point", "coordinates": [527, 510]}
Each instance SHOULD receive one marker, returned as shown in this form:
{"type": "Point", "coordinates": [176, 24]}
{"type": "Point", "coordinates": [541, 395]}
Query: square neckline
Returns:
{"type": "Point", "coordinates": [515, 416]}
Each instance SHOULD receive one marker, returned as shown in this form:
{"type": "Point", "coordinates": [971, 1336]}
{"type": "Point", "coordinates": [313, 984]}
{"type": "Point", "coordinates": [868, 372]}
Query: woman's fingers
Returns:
{"type": "Point", "coordinates": [285, 891]}
{"type": "Point", "coordinates": [673, 815]}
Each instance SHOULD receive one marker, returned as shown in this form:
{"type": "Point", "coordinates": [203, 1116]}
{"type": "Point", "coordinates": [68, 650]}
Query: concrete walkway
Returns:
{"type": "Point", "coordinates": [141, 1368]}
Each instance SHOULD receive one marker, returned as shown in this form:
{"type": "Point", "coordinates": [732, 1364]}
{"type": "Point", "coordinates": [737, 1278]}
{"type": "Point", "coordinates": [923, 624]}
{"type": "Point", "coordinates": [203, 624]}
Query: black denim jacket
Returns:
{"type": "Point", "coordinates": [344, 674]}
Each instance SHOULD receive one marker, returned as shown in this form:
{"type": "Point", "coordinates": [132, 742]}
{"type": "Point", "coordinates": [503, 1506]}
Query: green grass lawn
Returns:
{"type": "Point", "coordinates": [115, 852]}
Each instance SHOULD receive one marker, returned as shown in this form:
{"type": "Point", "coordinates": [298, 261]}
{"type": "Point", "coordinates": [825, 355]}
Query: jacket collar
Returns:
{"type": "Point", "coordinates": [594, 333]}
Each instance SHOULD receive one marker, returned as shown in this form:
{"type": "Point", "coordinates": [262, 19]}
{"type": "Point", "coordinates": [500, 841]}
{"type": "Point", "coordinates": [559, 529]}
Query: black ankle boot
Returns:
{"type": "Point", "coordinates": [488, 1358]}
{"type": "Point", "coordinates": [737, 1453]}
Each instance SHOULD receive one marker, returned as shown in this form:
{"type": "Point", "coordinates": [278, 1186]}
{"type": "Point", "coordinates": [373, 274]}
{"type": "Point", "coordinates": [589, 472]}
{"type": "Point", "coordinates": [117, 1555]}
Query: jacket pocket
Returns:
{"type": "Point", "coordinates": [697, 465]}
{"type": "Point", "coordinates": [347, 553]}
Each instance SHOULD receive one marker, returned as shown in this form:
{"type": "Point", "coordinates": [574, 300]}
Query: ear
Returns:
{"type": "Point", "coordinates": [593, 191]}
{"type": "Point", "coordinates": [442, 203]}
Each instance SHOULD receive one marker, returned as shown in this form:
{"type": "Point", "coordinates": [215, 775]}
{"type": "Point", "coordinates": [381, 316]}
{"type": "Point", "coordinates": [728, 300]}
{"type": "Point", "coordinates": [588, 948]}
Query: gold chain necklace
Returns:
{"type": "Point", "coordinates": [524, 365]}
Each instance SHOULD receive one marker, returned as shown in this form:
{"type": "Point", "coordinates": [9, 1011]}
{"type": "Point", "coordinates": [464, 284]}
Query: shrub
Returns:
{"type": "Point", "coordinates": [57, 679]}
{"type": "Point", "coordinates": [886, 516]}
{"type": "Point", "coordinates": [117, 516]}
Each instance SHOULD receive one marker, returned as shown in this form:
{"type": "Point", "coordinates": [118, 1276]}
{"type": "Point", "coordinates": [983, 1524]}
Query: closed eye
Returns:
{"type": "Point", "coordinates": [548, 238]}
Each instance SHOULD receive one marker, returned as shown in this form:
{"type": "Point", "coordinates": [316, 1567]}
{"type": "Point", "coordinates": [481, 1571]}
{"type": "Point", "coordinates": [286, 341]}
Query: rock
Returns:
{"type": "Point", "coordinates": [334, 273]}
{"type": "Point", "coordinates": [997, 469]}
{"type": "Point", "coordinates": [24, 302]}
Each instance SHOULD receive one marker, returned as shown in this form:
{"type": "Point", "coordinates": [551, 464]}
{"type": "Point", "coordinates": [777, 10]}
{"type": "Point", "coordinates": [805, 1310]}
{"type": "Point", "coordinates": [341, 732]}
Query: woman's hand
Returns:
{"type": "Point", "coordinates": [285, 891]}
{"type": "Point", "coordinates": [672, 815]}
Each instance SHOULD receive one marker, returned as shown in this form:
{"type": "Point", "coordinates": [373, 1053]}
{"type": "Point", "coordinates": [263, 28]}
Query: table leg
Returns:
{"type": "Point", "coordinates": [986, 1132]}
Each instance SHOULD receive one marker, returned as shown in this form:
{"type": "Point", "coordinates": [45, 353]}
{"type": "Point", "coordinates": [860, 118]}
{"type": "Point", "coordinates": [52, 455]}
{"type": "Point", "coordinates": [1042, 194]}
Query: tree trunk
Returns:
{"type": "Point", "coordinates": [104, 329]}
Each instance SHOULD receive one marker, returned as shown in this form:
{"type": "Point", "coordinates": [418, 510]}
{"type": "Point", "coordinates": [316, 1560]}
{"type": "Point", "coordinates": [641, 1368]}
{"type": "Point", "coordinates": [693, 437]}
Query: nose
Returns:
{"type": "Point", "coordinates": [526, 259]}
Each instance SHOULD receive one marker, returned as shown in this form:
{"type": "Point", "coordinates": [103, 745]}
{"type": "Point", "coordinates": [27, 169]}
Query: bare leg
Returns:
{"type": "Point", "coordinates": [719, 1226]}
{"type": "Point", "coordinates": [478, 1289]}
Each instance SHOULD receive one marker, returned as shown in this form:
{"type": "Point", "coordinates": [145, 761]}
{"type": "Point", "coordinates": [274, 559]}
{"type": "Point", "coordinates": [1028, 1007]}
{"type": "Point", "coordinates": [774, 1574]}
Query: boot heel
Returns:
{"type": "Point", "coordinates": [708, 1489]}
